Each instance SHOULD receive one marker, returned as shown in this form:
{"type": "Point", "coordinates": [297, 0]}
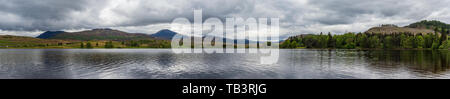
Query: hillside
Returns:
{"type": "Point", "coordinates": [164, 34]}
{"type": "Point", "coordinates": [386, 36]}
{"type": "Point", "coordinates": [424, 27]}
{"type": "Point", "coordinates": [395, 29]}
{"type": "Point", "coordinates": [96, 38]}
{"type": "Point", "coordinates": [21, 41]}
{"type": "Point", "coordinates": [425, 24]}
{"type": "Point", "coordinates": [9, 41]}
{"type": "Point", "coordinates": [100, 34]}
{"type": "Point", "coordinates": [49, 34]}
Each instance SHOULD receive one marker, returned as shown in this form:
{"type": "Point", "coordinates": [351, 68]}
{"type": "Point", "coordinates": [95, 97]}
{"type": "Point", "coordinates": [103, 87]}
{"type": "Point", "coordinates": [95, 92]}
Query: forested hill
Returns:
{"type": "Point", "coordinates": [422, 27]}
{"type": "Point", "coordinates": [421, 35]}
{"type": "Point", "coordinates": [21, 42]}
{"type": "Point", "coordinates": [425, 24]}
{"type": "Point", "coordinates": [392, 29]}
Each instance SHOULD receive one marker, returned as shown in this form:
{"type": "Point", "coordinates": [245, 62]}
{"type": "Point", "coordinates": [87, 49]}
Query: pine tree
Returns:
{"type": "Point", "coordinates": [109, 44]}
{"type": "Point", "coordinates": [388, 43]}
{"type": "Point", "coordinates": [444, 34]}
{"type": "Point", "coordinates": [420, 42]}
{"type": "Point", "coordinates": [436, 38]}
{"type": "Point", "coordinates": [445, 45]}
{"type": "Point", "coordinates": [428, 40]}
{"type": "Point", "coordinates": [331, 41]}
{"type": "Point", "coordinates": [286, 44]}
{"type": "Point", "coordinates": [294, 44]}
{"type": "Point", "coordinates": [88, 45]}
{"type": "Point", "coordinates": [374, 42]}
{"type": "Point", "coordinates": [81, 45]}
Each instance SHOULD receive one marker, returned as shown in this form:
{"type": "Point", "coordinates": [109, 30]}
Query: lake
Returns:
{"type": "Point", "coordinates": [164, 64]}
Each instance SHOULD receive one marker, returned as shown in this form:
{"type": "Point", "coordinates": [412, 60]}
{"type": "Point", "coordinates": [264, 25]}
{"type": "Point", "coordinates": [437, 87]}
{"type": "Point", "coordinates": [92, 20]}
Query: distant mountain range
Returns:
{"type": "Point", "coordinates": [165, 34]}
{"type": "Point", "coordinates": [110, 34]}
{"type": "Point", "coordinates": [95, 38]}
{"type": "Point", "coordinates": [105, 34]}
{"type": "Point", "coordinates": [161, 38]}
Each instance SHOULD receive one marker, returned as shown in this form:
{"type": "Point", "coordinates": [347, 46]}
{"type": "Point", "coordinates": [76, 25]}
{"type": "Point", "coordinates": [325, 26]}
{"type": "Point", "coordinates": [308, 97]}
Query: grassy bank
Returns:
{"type": "Point", "coordinates": [20, 42]}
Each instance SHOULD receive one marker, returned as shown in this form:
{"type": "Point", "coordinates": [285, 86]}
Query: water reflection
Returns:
{"type": "Point", "coordinates": [163, 64]}
{"type": "Point", "coordinates": [425, 62]}
{"type": "Point", "coordinates": [165, 60]}
{"type": "Point", "coordinates": [52, 64]}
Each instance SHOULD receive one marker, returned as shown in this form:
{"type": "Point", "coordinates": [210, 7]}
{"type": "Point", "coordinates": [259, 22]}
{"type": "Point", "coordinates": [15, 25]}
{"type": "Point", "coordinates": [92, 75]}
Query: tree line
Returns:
{"type": "Point", "coordinates": [371, 41]}
{"type": "Point", "coordinates": [126, 44]}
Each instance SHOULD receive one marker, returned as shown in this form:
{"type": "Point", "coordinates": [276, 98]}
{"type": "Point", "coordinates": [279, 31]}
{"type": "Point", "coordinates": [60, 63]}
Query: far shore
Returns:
{"type": "Point", "coordinates": [246, 48]}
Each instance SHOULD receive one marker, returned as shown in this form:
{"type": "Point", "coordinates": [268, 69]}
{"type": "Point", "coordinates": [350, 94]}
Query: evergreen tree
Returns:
{"type": "Point", "coordinates": [88, 45]}
{"type": "Point", "coordinates": [444, 34]}
{"type": "Point", "coordinates": [436, 34]}
{"type": "Point", "coordinates": [81, 45]}
{"type": "Point", "coordinates": [350, 41]}
{"type": "Point", "coordinates": [435, 45]}
{"type": "Point", "coordinates": [388, 43]}
{"type": "Point", "coordinates": [286, 44]}
{"type": "Point", "coordinates": [340, 41]}
{"type": "Point", "coordinates": [428, 40]}
{"type": "Point", "coordinates": [323, 41]}
{"type": "Point", "coordinates": [310, 41]}
{"type": "Point", "coordinates": [363, 41]}
{"type": "Point", "coordinates": [331, 41]}
{"type": "Point", "coordinates": [109, 44]}
{"type": "Point", "coordinates": [420, 42]}
{"type": "Point", "coordinates": [374, 42]}
{"type": "Point", "coordinates": [445, 45]}
{"type": "Point", "coordinates": [294, 44]}
{"type": "Point", "coordinates": [406, 41]}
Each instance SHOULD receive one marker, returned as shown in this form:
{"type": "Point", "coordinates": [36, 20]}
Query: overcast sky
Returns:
{"type": "Point", "coordinates": [31, 17]}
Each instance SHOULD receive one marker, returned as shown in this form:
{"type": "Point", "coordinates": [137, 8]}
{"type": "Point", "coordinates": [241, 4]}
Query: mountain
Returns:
{"type": "Point", "coordinates": [100, 34]}
{"type": "Point", "coordinates": [49, 34]}
{"type": "Point", "coordinates": [22, 41]}
{"type": "Point", "coordinates": [168, 35]}
{"type": "Point", "coordinates": [425, 24]}
{"type": "Point", "coordinates": [110, 34]}
{"type": "Point", "coordinates": [164, 34]}
{"type": "Point", "coordinates": [390, 29]}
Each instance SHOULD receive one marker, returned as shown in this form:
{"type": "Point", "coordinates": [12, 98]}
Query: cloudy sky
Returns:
{"type": "Point", "coordinates": [31, 17]}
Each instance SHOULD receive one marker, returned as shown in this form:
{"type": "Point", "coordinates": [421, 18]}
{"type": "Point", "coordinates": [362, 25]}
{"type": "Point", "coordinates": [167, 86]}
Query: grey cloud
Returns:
{"type": "Point", "coordinates": [41, 9]}
{"type": "Point", "coordinates": [37, 14]}
{"type": "Point", "coordinates": [296, 16]}
{"type": "Point", "coordinates": [345, 11]}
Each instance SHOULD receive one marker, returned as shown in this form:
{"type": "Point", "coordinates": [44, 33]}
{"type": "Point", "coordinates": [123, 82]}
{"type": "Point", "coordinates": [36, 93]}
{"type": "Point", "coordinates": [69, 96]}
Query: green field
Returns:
{"type": "Point", "coordinates": [8, 41]}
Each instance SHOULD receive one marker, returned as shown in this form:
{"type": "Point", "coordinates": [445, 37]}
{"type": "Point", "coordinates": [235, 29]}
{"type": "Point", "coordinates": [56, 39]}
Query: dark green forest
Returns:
{"type": "Point", "coordinates": [433, 24]}
{"type": "Point", "coordinates": [371, 41]}
{"type": "Point", "coordinates": [126, 44]}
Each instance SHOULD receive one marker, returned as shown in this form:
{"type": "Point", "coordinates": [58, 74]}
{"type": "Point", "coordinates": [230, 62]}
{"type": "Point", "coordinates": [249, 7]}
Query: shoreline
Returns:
{"type": "Point", "coordinates": [366, 49]}
{"type": "Point", "coordinates": [248, 48]}
{"type": "Point", "coordinates": [84, 48]}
